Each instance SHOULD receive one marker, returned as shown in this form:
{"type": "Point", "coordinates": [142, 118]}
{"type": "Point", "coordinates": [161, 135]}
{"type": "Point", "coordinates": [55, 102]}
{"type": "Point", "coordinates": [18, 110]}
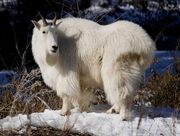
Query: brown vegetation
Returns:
{"type": "Point", "coordinates": [44, 131]}
{"type": "Point", "coordinates": [31, 95]}
{"type": "Point", "coordinates": [163, 90]}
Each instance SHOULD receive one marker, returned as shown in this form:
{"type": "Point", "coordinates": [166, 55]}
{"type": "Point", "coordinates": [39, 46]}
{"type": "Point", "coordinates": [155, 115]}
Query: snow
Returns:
{"type": "Point", "coordinates": [6, 77]}
{"type": "Point", "coordinates": [164, 61]}
{"type": "Point", "coordinates": [153, 6]}
{"type": "Point", "coordinates": [8, 3]}
{"type": "Point", "coordinates": [97, 123]}
{"type": "Point", "coordinates": [97, 9]}
{"type": "Point", "coordinates": [127, 7]}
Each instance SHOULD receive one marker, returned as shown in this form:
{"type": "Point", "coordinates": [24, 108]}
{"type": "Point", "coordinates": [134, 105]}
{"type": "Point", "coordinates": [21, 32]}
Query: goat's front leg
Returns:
{"type": "Point", "coordinates": [66, 106]}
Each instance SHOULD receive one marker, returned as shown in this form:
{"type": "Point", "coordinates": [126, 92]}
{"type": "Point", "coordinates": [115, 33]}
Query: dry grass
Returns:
{"type": "Point", "coordinates": [162, 91]}
{"type": "Point", "coordinates": [31, 95]}
{"type": "Point", "coordinates": [44, 131]}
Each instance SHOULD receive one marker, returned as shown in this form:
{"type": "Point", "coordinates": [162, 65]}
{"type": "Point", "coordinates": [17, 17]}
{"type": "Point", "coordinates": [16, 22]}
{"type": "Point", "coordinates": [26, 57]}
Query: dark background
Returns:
{"type": "Point", "coordinates": [161, 19]}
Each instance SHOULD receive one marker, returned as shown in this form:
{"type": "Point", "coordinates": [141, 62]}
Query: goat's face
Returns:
{"type": "Point", "coordinates": [48, 34]}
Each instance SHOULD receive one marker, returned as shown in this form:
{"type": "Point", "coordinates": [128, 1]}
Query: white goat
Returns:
{"type": "Point", "coordinates": [75, 54]}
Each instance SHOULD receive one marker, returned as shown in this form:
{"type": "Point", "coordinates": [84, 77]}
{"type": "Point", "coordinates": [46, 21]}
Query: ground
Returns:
{"type": "Point", "coordinates": [153, 122]}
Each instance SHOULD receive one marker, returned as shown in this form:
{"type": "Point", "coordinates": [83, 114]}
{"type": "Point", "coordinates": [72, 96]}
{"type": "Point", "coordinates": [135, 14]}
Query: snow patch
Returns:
{"type": "Point", "coordinates": [6, 76]}
{"type": "Point", "coordinates": [96, 123]}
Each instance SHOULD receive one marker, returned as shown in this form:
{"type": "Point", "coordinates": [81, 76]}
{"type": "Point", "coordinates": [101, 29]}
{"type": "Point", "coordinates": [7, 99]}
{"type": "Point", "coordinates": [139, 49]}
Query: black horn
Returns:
{"type": "Point", "coordinates": [55, 19]}
{"type": "Point", "coordinates": [43, 19]}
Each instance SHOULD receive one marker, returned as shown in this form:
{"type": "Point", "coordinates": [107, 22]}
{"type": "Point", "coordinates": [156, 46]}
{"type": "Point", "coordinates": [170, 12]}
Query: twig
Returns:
{"type": "Point", "coordinates": [62, 9]}
{"type": "Point", "coordinates": [161, 32]}
{"type": "Point", "coordinates": [43, 102]}
{"type": "Point", "coordinates": [28, 129]}
{"type": "Point", "coordinates": [77, 5]}
{"type": "Point", "coordinates": [102, 16]}
{"type": "Point", "coordinates": [65, 6]}
{"type": "Point", "coordinates": [141, 114]}
{"type": "Point", "coordinates": [24, 56]}
{"type": "Point", "coordinates": [4, 63]}
{"type": "Point", "coordinates": [16, 43]}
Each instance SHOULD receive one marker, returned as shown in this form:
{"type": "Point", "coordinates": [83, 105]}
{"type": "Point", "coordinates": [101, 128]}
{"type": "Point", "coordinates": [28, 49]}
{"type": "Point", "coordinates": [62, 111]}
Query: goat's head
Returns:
{"type": "Point", "coordinates": [48, 34]}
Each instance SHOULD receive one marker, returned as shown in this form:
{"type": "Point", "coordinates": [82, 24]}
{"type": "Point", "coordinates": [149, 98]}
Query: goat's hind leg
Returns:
{"type": "Point", "coordinates": [121, 99]}
{"type": "Point", "coordinates": [111, 88]}
{"type": "Point", "coordinates": [125, 103]}
{"type": "Point", "coordinates": [119, 91]}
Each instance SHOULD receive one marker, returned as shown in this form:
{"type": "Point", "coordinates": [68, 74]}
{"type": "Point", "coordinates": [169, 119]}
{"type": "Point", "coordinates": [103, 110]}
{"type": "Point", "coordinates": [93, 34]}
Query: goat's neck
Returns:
{"type": "Point", "coordinates": [51, 60]}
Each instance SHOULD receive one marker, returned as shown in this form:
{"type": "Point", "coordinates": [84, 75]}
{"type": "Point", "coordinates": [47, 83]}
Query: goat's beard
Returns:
{"type": "Point", "coordinates": [51, 58]}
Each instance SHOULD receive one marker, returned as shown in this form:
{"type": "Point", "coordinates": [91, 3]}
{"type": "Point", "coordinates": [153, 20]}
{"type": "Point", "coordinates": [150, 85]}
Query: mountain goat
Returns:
{"type": "Point", "coordinates": [75, 54]}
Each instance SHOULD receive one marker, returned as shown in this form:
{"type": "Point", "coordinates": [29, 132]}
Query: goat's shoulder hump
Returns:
{"type": "Point", "coordinates": [78, 21]}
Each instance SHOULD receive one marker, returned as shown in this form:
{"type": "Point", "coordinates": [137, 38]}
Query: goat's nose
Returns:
{"type": "Point", "coordinates": [55, 47]}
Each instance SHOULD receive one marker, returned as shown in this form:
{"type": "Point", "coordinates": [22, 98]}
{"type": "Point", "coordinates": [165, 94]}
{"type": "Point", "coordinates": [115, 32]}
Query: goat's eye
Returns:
{"type": "Point", "coordinates": [43, 32]}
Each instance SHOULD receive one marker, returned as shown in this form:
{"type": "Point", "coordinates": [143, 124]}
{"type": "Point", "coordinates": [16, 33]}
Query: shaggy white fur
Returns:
{"type": "Point", "coordinates": [111, 57]}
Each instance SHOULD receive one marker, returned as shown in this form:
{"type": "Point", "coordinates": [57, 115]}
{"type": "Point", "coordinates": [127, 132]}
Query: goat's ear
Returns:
{"type": "Point", "coordinates": [36, 24]}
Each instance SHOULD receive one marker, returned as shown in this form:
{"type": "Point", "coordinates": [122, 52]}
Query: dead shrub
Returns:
{"type": "Point", "coordinates": [162, 91]}
{"type": "Point", "coordinates": [44, 131]}
{"type": "Point", "coordinates": [31, 95]}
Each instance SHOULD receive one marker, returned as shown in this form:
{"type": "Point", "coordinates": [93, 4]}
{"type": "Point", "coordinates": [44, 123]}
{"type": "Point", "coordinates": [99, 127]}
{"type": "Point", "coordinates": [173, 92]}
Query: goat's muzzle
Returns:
{"type": "Point", "coordinates": [54, 48]}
